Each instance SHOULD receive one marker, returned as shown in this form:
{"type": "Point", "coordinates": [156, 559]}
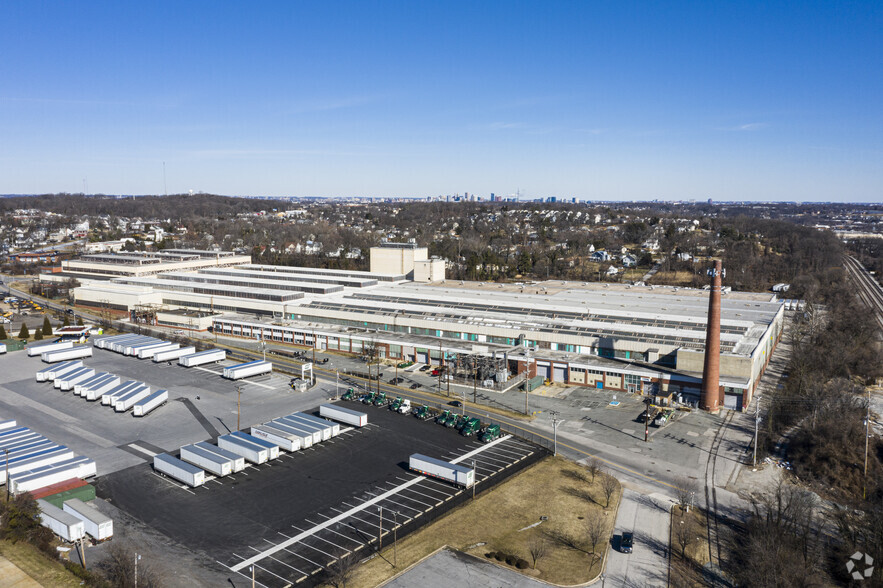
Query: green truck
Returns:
{"type": "Point", "coordinates": [490, 433]}
{"type": "Point", "coordinates": [368, 398]}
{"type": "Point", "coordinates": [471, 427]}
{"type": "Point", "coordinates": [423, 413]}
{"type": "Point", "coordinates": [350, 394]}
{"type": "Point", "coordinates": [395, 404]}
{"type": "Point", "coordinates": [380, 399]}
{"type": "Point", "coordinates": [443, 417]}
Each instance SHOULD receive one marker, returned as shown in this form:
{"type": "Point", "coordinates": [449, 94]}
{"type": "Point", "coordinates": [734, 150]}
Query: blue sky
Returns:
{"type": "Point", "coordinates": [594, 100]}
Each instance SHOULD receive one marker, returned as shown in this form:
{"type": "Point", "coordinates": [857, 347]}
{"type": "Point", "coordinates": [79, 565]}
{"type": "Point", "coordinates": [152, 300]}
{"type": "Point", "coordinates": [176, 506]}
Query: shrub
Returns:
{"type": "Point", "coordinates": [522, 564]}
{"type": "Point", "coordinates": [499, 556]}
{"type": "Point", "coordinates": [2, 332]}
{"type": "Point", "coordinates": [38, 334]}
{"type": "Point", "coordinates": [511, 560]}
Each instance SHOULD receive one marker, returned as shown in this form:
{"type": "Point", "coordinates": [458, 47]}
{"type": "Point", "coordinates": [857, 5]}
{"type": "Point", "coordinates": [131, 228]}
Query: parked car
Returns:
{"type": "Point", "coordinates": [625, 544]}
{"type": "Point", "coordinates": [414, 386]}
{"type": "Point", "coordinates": [423, 368]}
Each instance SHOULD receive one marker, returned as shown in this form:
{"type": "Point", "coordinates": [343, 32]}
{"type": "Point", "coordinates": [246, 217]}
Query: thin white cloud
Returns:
{"type": "Point", "coordinates": [501, 126]}
{"type": "Point", "coordinates": [745, 127]}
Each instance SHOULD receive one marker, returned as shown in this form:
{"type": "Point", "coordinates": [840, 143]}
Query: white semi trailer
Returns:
{"type": "Point", "coordinates": [108, 396]}
{"type": "Point", "coordinates": [77, 467]}
{"type": "Point", "coordinates": [272, 449]}
{"type": "Point", "coordinates": [245, 370]}
{"type": "Point", "coordinates": [95, 392]}
{"type": "Point", "coordinates": [206, 460]}
{"type": "Point", "coordinates": [146, 405]}
{"type": "Point", "coordinates": [98, 525]}
{"type": "Point", "coordinates": [41, 349]}
{"type": "Point", "coordinates": [202, 358]}
{"type": "Point", "coordinates": [287, 441]}
{"type": "Point", "coordinates": [444, 470]}
{"type": "Point", "coordinates": [305, 437]}
{"type": "Point", "coordinates": [173, 354]}
{"type": "Point", "coordinates": [237, 460]}
{"type": "Point", "coordinates": [253, 452]}
{"type": "Point", "coordinates": [68, 383]}
{"type": "Point", "coordinates": [149, 352]}
{"type": "Point", "coordinates": [127, 401]}
{"type": "Point", "coordinates": [48, 374]}
{"type": "Point", "coordinates": [178, 470]}
{"type": "Point", "coordinates": [344, 415]}
{"type": "Point", "coordinates": [78, 352]}
{"type": "Point", "coordinates": [63, 524]}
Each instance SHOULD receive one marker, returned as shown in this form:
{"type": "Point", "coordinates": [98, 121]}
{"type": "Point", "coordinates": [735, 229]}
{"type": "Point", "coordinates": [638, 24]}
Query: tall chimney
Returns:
{"type": "Point", "coordinates": [710, 397]}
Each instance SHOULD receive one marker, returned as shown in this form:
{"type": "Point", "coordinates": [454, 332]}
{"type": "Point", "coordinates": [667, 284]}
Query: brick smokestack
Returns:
{"type": "Point", "coordinates": [710, 397]}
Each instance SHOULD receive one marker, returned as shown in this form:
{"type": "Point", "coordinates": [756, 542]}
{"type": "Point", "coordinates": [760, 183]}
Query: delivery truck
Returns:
{"type": "Point", "coordinates": [272, 449]}
{"type": "Point", "coordinates": [245, 370]}
{"type": "Point", "coordinates": [172, 354]}
{"type": "Point", "coordinates": [149, 352]}
{"type": "Point", "coordinates": [237, 460]}
{"type": "Point", "coordinates": [78, 352]}
{"type": "Point", "coordinates": [250, 451]}
{"type": "Point", "coordinates": [48, 374]}
{"type": "Point", "coordinates": [63, 524]}
{"type": "Point", "coordinates": [98, 525]}
{"type": "Point", "coordinates": [41, 349]}
{"type": "Point", "coordinates": [144, 406]}
{"type": "Point", "coordinates": [287, 441]}
{"type": "Point", "coordinates": [206, 460]}
{"type": "Point", "coordinates": [344, 415]}
{"type": "Point", "coordinates": [444, 470]}
{"type": "Point", "coordinates": [202, 358]}
{"type": "Point", "coordinates": [178, 470]}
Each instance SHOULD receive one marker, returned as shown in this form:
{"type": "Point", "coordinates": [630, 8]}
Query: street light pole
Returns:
{"type": "Point", "coordinates": [395, 539]}
{"type": "Point", "coordinates": [137, 557]}
{"type": "Point", "coordinates": [474, 480]}
{"type": "Point", "coordinates": [553, 414]}
{"type": "Point", "coordinates": [380, 530]}
{"type": "Point", "coordinates": [756, 427]}
{"type": "Point", "coordinates": [7, 474]}
{"type": "Point", "coordinates": [238, 405]}
{"type": "Point", "coordinates": [337, 395]}
{"type": "Point", "coordinates": [867, 431]}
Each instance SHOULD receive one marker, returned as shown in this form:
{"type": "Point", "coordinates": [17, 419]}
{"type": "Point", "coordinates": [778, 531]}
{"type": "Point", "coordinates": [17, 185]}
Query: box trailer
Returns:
{"type": "Point", "coordinates": [64, 373]}
{"type": "Point", "coordinates": [7, 424]}
{"type": "Point", "coordinates": [149, 352]}
{"type": "Point", "coordinates": [178, 470]}
{"type": "Point", "coordinates": [13, 433]}
{"type": "Point", "coordinates": [206, 460]}
{"type": "Point", "coordinates": [34, 460]}
{"type": "Point", "coordinates": [104, 342]}
{"type": "Point", "coordinates": [63, 524]}
{"type": "Point", "coordinates": [245, 370]}
{"type": "Point", "coordinates": [324, 432]}
{"type": "Point", "coordinates": [96, 377]}
{"type": "Point", "coordinates": [272, 450]}
{"type": "Point", "coordinates": [304, 436]}
{"type": "Point", "coordinates": [98, 525]}
{"type": "Point", "coordinates": [95, 392]}
{"type": "Point", "coordinates": [308, 428]}
{"type": "Point", "coordinates": [437, 468]}
{"type": "Point", "coordinates": [149, 403]}
{"type": "Point", "coordinates": [74, 373]}
{"type": "Point", "coordinates": [287, 441]}
{"type": "Point", "coordinates": [103, 379]}
{"type": "Point", "coordinates": [48, 374]}
{"type": "Point", "coordinates": [112, 399]}
{"type": "Point", "coordinates": [126, 401]}
{"type": "Point", "coordinates": [120, 344]}
{"type": "Point", "coordinates": [28, 446]}
{"type": "Point", "coordinates": [77, 352]}
{"type": "Point", "coordinates": [24, 439]}
{"type": "Point", "coordinates": [203, 357]}
{"type": "Point", "coordinates": [66, 383]}
{"type": "Point", "coordinates": [133, 348]}
{"type": "Point", "coordinates": [2, 348]}
{"type": "Point", "coordinates": [117, 390]}
{"type": "Point", "coordinates": [237, 460]}
{"type": "Point", "coordinates": [334, 427]}
{"type": "Point", "coordinates": [77, 467]}
{"type": "Point", "coordinates": [40, 349]}
{"type": "Point", "coordinates": [173, 354]}
{"type": "Point", "coordinates": [248, 450]}
{"type": "Point", "coordinates": [344, 415]}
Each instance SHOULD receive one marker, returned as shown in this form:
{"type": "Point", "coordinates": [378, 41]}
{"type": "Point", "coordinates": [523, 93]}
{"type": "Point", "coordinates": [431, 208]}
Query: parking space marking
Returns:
{"type": "Point", "coordinates": [320, 538]}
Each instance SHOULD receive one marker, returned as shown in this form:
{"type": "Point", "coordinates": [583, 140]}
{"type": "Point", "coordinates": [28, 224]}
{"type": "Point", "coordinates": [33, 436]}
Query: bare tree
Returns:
{"type": "Point", "coordinates": [685, 488]}
{"type": "Point", "coordinates": [594, 466]}
{"type": "Point", "coordinates": [595, 529]}
{"type": "Point", "coordinates": [685, 533]}
{"type": "Point", "coordinates": [537, 547]}
{"type": "Point", "coordinates": [609, 484]}
{"type": "Point", "coordinates": [340, 572]}
{"type": "Point", "coordinates": [119, 567]}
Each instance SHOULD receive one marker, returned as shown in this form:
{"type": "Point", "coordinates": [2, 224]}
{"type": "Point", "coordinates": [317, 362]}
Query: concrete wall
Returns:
{"type": "Point", "coordinates": [430, 270]}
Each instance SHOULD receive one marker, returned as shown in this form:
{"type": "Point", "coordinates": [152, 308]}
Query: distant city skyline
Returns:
{"type": "Point", "coordinates": [594, 101]}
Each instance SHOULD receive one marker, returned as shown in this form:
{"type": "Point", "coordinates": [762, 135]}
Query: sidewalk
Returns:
{"type": "Point", "coordinates": [13, 577]}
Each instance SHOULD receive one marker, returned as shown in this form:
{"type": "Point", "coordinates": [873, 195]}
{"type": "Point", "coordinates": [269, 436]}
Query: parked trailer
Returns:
{"type": "Point", "coordinates": [128, 400]}
{"type": "Point", "coordinates": [63, 524]}
{"type": "Point", "coordinates": [272, 450]}
{"type": "Point", "coordinates": [308, 428]}
{"type": "Point", "coordinates": [324, 432]}
{"type": "Point", "coordinates": [178, 470]}
{"type": "Point", "coordinates": [133, 349]}
{"type": "Point", "coordinates": [30, 443]}
{"type": "Point", "coordinates": [11, 434]}
{"type": "Point", "coordinates": [335, 428]}
{"type": "Point", "coordinates": [73, 373]}
{"type": "Point", "coordinates": [28, 437]}
{"type": "Point", "coordinates": [112, 400]}
{"type": "Point", "coordinates": [304, 436]}
{"type": "Point", "coordinates": [120, 389]}
{"type": "Point", "coordinates": [120, 345]}
{"type": "Point", "coordinates": [78, 467]}
{"type": "Point", "coordinates": [344, 415]}
{"type": "Point", "coordinates": [445, 470]}
{"type": "Point", "coordinates": [245, 370]}
{"type": "Point", "coordinates": [102, 379]}
{"type": "Point", "coordinates": [96, 377]}
{"type": "Point", "coordinates": [7, 424]}
{"type": "Point", "coordinates": [78, 352]}
{"type": "Point", "coordinates": [98, 525]}
{"type": "Point", "coordinates": [202, 358]}
{"type": "Point", "coordinates": [173, 354]}
{"type": "Point", "coordinates": [49, 373]}
{"type": "Point", "coordinates": [40, 349]}
{"type": "Point", "coordinates": [237, 460]}
{"type": "Point", "coordinates": [206, 460]}
{"type": "Point", "coordinates": [287, 441]}
{"type": "Point", "coordinates": [95, 392]}
{"type": "Point", "coordinates": [31, 461]}
{"type": "Point", "coordinates": [67, 384]}
{"type": "Point", "coordinates": [149, 352]}
{"type": "Point", "coordinates": [2, 347]}
{"type": "Point", "coordinates": [250, 451]}
{"type": "Point", "coordinates": [104, 342]}
{"type": "Point", "coordinates": [149, 403]}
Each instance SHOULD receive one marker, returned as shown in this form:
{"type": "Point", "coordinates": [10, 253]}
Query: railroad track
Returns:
{"type": "Point", "coordinates": [712, 518]}
{"type": "Point", "coordinates": [867, 288]}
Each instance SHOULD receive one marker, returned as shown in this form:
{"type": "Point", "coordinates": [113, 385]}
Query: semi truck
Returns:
{"type": "Point", "coordinates": [178, 470]}
{"type": "Point", "coordinates": [63, 524]}
{"type": "Point", "coordinates": [423, 413]}
{"type": "Point", "coordinates": [237, 460]}
{"type": "Point", "coordinates": [490, 433]}
{"type": "Point", "coordinates": [48, 374]}
{"type": "Point", "coordinates": [147, 404]}
{"type": "Point", "coordinates": [98, 525]}
{"type": "Point", "coordinates": [206, 460]}
{"type": "Point", "coordinates": [344, 415]}
{"type": "Point", "coordinates": [245, 370]}
{"type": "Point", "coordinates": [272, 450]}
{"type": "Point", "coordinates": [41, 349]}
{"type": "Point", "coordinates": [149, 352]}
{"type": "Point", "coordinates": [471, 427]}
{"type": "Point", "coordinates": [252, 452]}
{"type": "Point", "coordinates": [78, 352]}
{"type": "Point", "coordinates": [444, 470]}
{"type": "Point", "coordinates": [202, 358]}
{"type": "Point", "coordinates": [173, 354]}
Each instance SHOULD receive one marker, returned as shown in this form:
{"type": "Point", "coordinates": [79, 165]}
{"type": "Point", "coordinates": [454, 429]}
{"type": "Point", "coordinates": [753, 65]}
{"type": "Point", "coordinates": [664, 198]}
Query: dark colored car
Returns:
{"type": "Point", "coordinates": [625, 545]}
{"type": "Point", "coordinates": [456, 403]}
{"type": "Point", "coordinates": [423, 368]}
{"type": "Point", "coordinates": [414, 386]}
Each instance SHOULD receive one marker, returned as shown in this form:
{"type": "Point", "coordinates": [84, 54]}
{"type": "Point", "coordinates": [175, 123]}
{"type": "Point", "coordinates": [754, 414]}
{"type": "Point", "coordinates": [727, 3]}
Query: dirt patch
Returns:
{"type": "Point", "coordinates": [689, 547]}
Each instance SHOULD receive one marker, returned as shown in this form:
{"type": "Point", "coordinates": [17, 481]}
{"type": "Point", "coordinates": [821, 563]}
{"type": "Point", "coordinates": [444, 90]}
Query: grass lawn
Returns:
{"type": "Point", "coordinates": [555, 488]}
{"type": "Point", "coordinates": [38, 566]}
{"type": "Point", "coordinates": [688, 529]}
{"type": "Point", "coordinates": [678, 278]}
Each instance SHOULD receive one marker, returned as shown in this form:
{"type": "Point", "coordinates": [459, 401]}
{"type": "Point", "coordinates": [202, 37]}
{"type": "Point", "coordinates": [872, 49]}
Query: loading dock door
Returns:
{"type": "Point", "coordinates": [545, 370]}
{"type": "Point", "coordinates": [732, 401]}
{"type": "Point", "coordinates": [422, 356]}
{"type": "Point", "coordinates": [559, 374]}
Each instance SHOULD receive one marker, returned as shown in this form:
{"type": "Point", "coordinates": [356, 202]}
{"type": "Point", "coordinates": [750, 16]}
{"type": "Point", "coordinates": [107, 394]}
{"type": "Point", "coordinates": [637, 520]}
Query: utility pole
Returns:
{"type": "Point", "coordinates": [647, 403]}
{"type": "Point", "coordinates": [756, 426]}
{"type": "Point", "coordinates": [474, 381]}
{"type": "Point", "coordinates": [527, 383]}
{"type": "Point", "coordinates": [337, 395]}
{"type": "Point", "coordinates": [137, 557]}
{"type": "Point", "coordinates": [474, 479]}
{"type": "Point", "coordinates": [238, 405]}
{"type": "Point", "coordinates": [867, 431]}
{"type": "Point", "coordinates": [395, 539]}
{"type": "Point", "coordinates": [252, 577]}
{"type": "Point", "coordinates": [380, 530]}
{"type": "Point", "coordinates": [7, 474]}
{"type": "Point", "coordinates": [553, 414]}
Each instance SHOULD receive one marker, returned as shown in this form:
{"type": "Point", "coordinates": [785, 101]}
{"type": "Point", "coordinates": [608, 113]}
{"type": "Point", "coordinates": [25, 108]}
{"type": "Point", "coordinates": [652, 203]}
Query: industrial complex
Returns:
{"type": "Point", "coordinates": [641, 339]}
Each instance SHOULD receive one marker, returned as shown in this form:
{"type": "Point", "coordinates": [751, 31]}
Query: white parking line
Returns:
{"type": "Point", "coordinates": [320, 538]}
{"type": "Point", "coordinates": [347, 537]}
